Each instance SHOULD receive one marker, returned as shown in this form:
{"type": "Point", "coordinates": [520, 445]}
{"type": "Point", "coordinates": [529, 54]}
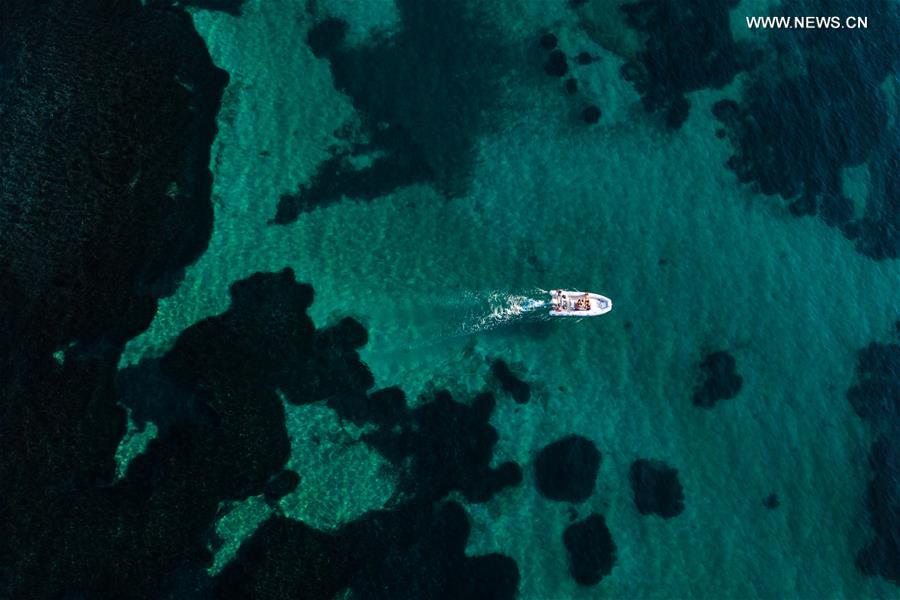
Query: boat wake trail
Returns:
{"type": "Point", "coordinates": [490, 310]}
{"type": "Point", "coordinates": [468, 313]}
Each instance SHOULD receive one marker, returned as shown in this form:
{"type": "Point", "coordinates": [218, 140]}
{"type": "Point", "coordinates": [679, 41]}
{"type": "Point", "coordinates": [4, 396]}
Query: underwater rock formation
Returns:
{"type": "Point", "coordinates": [512, 385]}
{"type": "Point", "coordinates": [591, 550]}
{"type": "Point", "coordinates": [656, 488]}
{"type": "Point", "coordinates": [566, 469]}
{"type": "Point", "coordinates": [720, 381]}
{"type": "Point", "coordinates": [419, 125]}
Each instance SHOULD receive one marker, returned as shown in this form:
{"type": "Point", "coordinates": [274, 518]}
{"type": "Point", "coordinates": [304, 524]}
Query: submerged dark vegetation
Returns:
{"type": "Point", "coordinates": [816, 106]}
{"type": "Point", "coordinates": [417, 124]}
{"type": "Point", "coordinates": [812, 103]}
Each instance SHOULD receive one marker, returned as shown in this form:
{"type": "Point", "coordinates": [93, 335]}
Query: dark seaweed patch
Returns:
{"type": "Point", "coordinates": [720, 381]}
{"type": "Point", "coordinates": [567, 469]}
{"type": "Point", "coordinates": [876, 394]}
{"type": "Point", "coordinates": [548, 41]}
{"type": "Point", "coordinates": [384, 408]}
{"type": "Point", "coordinates": [446, 446]}
{"type": "Point", "coordinates": [232, 7]}
{"type": "Point", "coordinates": [420, 124]}
{"type": "Point", "coordinates": [656, 488]}
{"type": "Point", "coordinates": [881, 555]}
{"type": "Point", "coordinates": [591, 115]}
{"type": "Point", "coordinates": [797, 127]}
{"type": "Point", "coordinates": [327, 36]}
{"type": "Point", "coordinates": [512, 385]}
{"type": "Point", "coordinates": [401, 164]}
{"type": "Point", "coordinates": [148, 532]}
{"type": "Point", "coordinates": [592, 552]}
{"type": "Point", "coordinates": [876, 398]}
{"type": "Point", "coordinates": [584, 58]}
{"type": "Point", "coordinates": [415, 550]}
{"type": "Point", "coordinates": [556, 65]}
{"type": "Point", "coordinates": [688, 46]}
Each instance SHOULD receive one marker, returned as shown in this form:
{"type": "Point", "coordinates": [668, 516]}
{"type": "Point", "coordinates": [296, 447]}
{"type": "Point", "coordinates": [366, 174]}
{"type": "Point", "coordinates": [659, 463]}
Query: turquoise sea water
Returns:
{"type": "Point", "coordinates": [651, 218]}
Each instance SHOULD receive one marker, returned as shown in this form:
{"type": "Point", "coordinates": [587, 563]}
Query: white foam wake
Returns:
{"type": "Point", "coordinates": [493, 309]}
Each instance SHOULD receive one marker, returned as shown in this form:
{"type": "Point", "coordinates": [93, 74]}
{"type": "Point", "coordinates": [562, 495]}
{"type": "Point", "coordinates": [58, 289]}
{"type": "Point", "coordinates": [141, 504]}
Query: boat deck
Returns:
{"type": "Point", "coordinates": [566, 303]}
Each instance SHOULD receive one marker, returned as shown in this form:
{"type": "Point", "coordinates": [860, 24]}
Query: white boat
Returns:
{"type": "Point", "coordinates": [571, 303]}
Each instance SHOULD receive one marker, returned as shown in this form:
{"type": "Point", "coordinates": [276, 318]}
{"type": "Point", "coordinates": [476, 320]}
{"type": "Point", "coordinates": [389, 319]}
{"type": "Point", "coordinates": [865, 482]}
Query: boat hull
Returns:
{"type": "Point", "coordinates": [563, 303]}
